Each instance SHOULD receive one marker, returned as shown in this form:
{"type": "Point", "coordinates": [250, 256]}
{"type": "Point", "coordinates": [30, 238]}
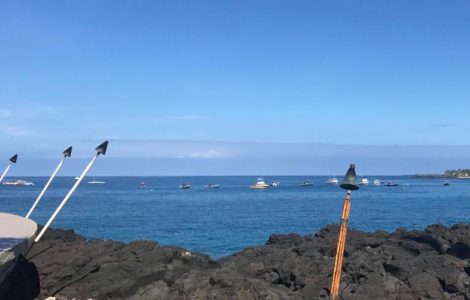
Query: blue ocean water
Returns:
{"type": "Point", "coordinates": [221, 221]}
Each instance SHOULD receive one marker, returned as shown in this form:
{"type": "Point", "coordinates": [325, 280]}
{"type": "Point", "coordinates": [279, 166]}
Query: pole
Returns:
{"type": "Point", "coordinates": [12, 161]}
{"type": "Point", "coordinates": [6, 171]}
{"type": "Point", "coordinates": [77, 183]}
{"type": "Point", "coordinates": [45, 188]}
{"type": "Point", "coordinates": [343, 228]}
{"type": "Point", "coordinates": [67, 153]}
{"type": "Point", "coordinates": [101, 149]}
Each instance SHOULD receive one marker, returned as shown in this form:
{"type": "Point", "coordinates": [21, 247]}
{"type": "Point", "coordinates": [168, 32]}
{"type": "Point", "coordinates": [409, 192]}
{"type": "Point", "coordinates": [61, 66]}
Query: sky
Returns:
{"type": "Point", "coordinates": [236, 87]}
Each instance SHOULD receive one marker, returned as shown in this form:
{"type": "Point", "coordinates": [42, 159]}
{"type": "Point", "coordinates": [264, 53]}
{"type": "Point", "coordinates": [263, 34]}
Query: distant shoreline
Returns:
{"type": "Point", "coordinates": [444, 176]}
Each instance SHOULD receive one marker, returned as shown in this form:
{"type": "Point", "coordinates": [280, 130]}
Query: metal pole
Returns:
{"type": "Point", "coordinates": [335, 283]}
{"type": "Point", "coordinates": [77, 183]}
{"type": "Point", "coordinates": [12, 161]}
{"type": "Point", "coordinates": [67, 153]}
{"type": "Point", "coordinates": [45, 188]}
{"type": "Point", "coordinates": [101, 149]}
{"type": "Point", "coordinates": [6, 171]}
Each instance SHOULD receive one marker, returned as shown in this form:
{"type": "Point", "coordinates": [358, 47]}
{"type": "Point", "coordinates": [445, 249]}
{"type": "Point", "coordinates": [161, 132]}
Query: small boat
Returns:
{"type": "Point", "coordinates": [94, 181]}
{"type": "Point", "coordinates": [18, 182]}
{"type": "Point", "coordinates": [142, 185]}
{"type": "Point", "coordinates": [364, 181]}
{"type": "Point", "coordinates": [390, 183]}
{"type": "Point", "coordinates": [306, 183]}
{"type": "Point", "coordinates": [332, 180]}
{"type": "Point", "coordinates": [184, 186]}
{"type": "Point", "coordinates": [446, 182]}
{"type": "Point", "coordinates": [212, 186]}
{"type": "Point", "coordinates": [260, 184]}
{"type": "Point", "coordinates": [275, 183]}
{"type": "Point", "coordinates": [77, 177]}
{"type": "Point", "coordinates": [377, 182]}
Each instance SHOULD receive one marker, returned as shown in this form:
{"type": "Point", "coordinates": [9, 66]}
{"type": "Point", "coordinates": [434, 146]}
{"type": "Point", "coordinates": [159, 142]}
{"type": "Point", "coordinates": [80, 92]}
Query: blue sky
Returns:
{"type": "Point", "coordinates": [221, 87]}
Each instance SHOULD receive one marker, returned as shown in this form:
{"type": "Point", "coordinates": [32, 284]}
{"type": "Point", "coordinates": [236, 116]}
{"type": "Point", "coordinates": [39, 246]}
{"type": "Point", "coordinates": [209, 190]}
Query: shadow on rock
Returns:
{"type": "Point", "coordinates": [23, 282]}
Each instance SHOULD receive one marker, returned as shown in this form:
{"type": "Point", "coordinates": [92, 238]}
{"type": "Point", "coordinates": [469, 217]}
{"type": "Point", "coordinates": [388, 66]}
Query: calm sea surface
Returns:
{"type": "Point", "coordinates": [221, 221]}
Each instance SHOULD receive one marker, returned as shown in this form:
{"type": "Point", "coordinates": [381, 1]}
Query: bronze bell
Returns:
{"type": "Point", "coordinates": [349, 181]}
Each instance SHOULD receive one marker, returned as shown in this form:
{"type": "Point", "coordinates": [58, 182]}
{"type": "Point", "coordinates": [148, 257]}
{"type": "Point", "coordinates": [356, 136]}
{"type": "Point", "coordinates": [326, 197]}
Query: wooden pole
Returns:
{"type": "Point", "coordinates": [343, 228]}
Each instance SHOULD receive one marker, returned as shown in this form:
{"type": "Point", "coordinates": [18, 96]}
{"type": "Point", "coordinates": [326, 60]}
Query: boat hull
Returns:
{"type": "Point", "coordinates": [259, 187]}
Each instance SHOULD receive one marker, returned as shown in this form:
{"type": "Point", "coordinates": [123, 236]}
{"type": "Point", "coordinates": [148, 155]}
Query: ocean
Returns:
{"type": "Point", "coordinates": [219, 222]}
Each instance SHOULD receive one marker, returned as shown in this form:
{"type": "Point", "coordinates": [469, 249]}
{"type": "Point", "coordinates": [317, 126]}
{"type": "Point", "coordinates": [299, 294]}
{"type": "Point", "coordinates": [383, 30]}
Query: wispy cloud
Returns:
{"type": "Point", "coordinates": [15, 131]}
{"type": "Point", "coordinates": [445, 125]}
{"type": "Point", "coordinates": [179, 118]}
{"type": "Point", "coordinates": [209, 154]}
{"type": "Point", "coordinates": [28, 112]}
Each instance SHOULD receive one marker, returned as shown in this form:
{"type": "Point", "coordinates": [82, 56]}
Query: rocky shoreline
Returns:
{"type": "Point", "coordinates": [429, 264]}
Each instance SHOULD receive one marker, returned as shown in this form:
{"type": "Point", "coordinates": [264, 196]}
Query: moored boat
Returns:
{"type": "Point", "coordinates": [377, 182]}
{"type": "Point", "coordinates": [332, 180]}
{"type": "Point", "coordinates": [94, 181]}
{"type": "Point", "coordinates": [260, 184]}
{"type": "Point", "coordinates": [18, 182]}
{"type": "Point", "coordinates": [275, 183]}
{"type": "Point", "coordinates": [446, 182]}
{"type": "Point", "coordinates": [364, 181]}
{"type": "Point", "coordinates": [306, 183]}
{"type": "Point", "coordinates": [142, 185]}
{"type": "Point", "coordinates": [391, 183]}
{"type": "Point", "coordinates": [212, 186]}
{"type": "Point", "coordinates": [184, 186]}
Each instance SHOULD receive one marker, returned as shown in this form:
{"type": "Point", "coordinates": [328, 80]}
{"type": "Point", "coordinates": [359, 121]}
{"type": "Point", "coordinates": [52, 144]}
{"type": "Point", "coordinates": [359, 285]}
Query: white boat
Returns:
{"type": "Point", "coordinates": [364, 181]}
{"type": "Point", "coordinates": [96, 182]}
{"type": "Point", "coordinates": [77, 177]}
{"type": "Point", "coordinates": [260, 184]}
{"type": "Point", "coordinates": [142, 185]}
{"type": "Point", "coordinates": [275, 183]}
{"type": "Point", "coordinates": [332, 180]}
{"type": "Point", "coordinates": [377, 182]}
{"type": "Point", "coordinates": [18, 182]}
{"type": "Point", "coordinates": [184, 186]}
{"type": "Point", "coordinates": [306, 183]}
{"type": "Point", "coordinates": [212, 186]}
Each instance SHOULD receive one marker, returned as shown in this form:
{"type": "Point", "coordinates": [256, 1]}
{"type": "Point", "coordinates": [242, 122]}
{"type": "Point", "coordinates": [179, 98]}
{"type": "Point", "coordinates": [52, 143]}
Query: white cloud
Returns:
{"type": "Point", "coordinates": [28, 112]}
{"type": "Point", "coordinates": [209, 154]}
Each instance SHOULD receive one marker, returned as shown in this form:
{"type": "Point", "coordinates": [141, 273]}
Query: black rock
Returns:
{"type": "Point", "coordinates": [429, 264]}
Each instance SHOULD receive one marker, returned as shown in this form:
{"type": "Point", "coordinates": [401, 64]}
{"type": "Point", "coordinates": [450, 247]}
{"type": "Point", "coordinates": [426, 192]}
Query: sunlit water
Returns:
{"type": "Point", "coordinates": [221, 221]}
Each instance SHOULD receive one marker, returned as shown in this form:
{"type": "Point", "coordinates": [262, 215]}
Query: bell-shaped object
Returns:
{"type": "Point", "coordinates": [101, 149]}
{"type": "Point", "coordinates": [14, 158]}
{"type": "Point", "coordinates": [67, 152]}
{"type": "Point", "coordinates": [349, 181]}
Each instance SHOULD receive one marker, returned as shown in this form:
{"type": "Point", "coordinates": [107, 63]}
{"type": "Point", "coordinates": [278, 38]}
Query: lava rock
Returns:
{"type": "Point", "coordinates": [429, 264]}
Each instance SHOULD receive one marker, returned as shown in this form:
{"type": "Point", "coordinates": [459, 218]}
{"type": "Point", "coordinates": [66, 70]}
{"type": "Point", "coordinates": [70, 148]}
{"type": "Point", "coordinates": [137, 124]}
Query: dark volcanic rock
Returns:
{"type": "Point", "coordinates": [429, 264]}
